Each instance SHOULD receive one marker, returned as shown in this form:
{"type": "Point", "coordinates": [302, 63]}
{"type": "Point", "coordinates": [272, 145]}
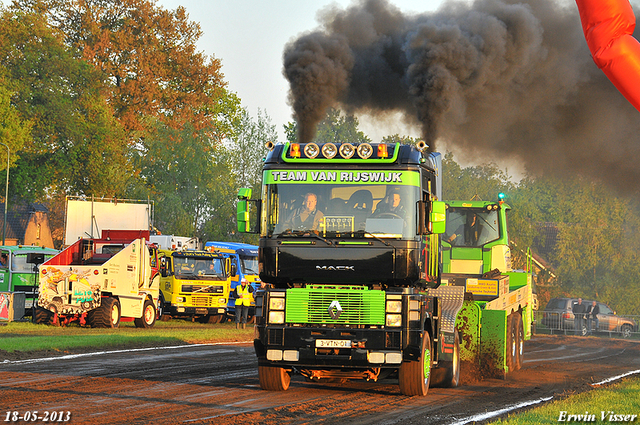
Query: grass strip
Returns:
{"type": "Point", "coordinates": [597, 406]}
{"type": "Point", "coordinates": [26, 336]}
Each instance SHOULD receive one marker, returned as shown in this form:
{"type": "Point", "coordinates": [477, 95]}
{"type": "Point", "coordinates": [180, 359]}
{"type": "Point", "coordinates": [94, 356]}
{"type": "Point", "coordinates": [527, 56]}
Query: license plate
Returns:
{"type": "Point", "coordinates": [333, 343]}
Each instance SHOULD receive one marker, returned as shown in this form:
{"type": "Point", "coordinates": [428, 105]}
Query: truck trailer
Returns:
{"type": "Point", "coordinates": [98, 282]}
{"type": "Point", "coordinates": [350, 245]}
{"type": "Point", "coordinates": [497, 313]}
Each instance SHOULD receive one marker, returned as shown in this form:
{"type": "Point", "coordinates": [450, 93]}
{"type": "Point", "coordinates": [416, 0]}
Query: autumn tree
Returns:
{"type": "Point", "coordinates": [76, 146]}
{"type": "Point", "coordinates": [149, 57]}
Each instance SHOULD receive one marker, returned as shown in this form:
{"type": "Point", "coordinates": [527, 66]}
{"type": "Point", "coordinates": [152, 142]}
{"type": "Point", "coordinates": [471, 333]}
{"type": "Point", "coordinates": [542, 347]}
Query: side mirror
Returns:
{"type": "Point", "coordinates": [245, 208]}
{"type": "Point", "coordinates": [438, 217]}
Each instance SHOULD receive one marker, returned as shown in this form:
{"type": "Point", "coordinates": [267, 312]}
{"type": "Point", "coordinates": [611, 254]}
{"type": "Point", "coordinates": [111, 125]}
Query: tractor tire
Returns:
{"type": "Point", "coordinates": [148, 318]}
{"type": "Point", "coordinates": [414, 376]}
{"type": "Point", "coordinates": [447, 374]}
{"type": "Point", "coordinates": [519, 342]}
{"type": "Point", "coordinates": [273, 378]}
{"type": "Point", "coordinates": [512, 342]}
{"type": "Point", "coordinates": [43, 316]}
{"type": "Point", "coordinates": [105, 316]}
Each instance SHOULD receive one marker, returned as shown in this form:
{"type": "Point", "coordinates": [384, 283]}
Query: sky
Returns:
{"type": "Point", "coordinates": [249, 37]}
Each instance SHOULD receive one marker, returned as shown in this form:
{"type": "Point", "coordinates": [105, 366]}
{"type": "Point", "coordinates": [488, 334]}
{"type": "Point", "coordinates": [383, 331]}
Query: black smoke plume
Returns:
{"type": "Point", "coordinates": [506, 77]}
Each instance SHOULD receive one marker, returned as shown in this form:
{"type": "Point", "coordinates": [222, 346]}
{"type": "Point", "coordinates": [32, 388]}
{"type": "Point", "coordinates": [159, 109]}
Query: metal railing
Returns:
{"type": "Point", "coordinates": [607, 326]}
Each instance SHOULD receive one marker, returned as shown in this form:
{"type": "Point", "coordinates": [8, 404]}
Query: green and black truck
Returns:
{"type": "Point", "coordinates": [351, 247]}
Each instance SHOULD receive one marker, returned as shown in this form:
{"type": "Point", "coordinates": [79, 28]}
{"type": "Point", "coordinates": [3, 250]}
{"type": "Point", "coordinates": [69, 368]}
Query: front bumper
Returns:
{"type": "Point", "coordinates": [288, 346]}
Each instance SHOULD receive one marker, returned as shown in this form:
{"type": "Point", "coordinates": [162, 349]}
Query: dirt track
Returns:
{"type": "Point", "coordinates": [219, 384]}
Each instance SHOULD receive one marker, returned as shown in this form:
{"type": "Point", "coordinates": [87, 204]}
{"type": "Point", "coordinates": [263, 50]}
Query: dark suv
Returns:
{"type": "Point", "coordinates": [558, 314]}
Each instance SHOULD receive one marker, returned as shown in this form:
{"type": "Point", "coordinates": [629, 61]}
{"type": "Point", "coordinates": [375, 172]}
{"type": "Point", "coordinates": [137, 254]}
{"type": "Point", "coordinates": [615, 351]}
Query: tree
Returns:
{"type": "Point", "coordinates": [182, 172]}
{"type": "Point", "coordinates": [148, 55]}
{"type": "Point", "coordinates": [77, 146]}
{"type": "Point", "coordinates": [247, 147]}
{"type": "Point", "coordinates": [336, 127]}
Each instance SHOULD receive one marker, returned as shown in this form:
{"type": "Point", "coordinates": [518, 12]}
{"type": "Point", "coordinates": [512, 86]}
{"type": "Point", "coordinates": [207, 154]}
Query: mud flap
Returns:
{"type": "Point", "coordinates": [483, 340]}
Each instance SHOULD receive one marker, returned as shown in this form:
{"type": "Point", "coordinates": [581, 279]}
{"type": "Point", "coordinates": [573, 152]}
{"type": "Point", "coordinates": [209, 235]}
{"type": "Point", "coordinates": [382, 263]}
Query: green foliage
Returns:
{"type": "Point", "coordinates": [77, 145]}
{"type": "Point", "coordinates": [336, 127]}
{"type": "Point", "coordinates": [183, 174]}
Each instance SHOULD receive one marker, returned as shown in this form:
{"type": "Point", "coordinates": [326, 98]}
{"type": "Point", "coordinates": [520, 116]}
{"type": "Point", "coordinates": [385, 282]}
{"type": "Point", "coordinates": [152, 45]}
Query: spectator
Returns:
{"type": "Point", "coordinates": [579, 310]}
{"type": "Point", "coordinates": [243, 301]}
{"type": "Point", "coordinates": [592, 314]}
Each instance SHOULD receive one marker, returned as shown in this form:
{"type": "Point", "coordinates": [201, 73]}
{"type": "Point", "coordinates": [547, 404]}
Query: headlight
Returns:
{"type": "Point", "coordinates": [394, 306]}
{"type": "Point", "coordinates": [276, 303]}
{"type": "Point", "coordinates": [180, 299]}
{"type": "Point", "coordinates": [394, 320]}
{"type": "Point", "coordinates": [276, 317]}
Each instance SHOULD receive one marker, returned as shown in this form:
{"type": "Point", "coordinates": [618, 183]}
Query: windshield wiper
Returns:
{"type": "Point", "coordinates": [364, 232]}
{"type": "Point", "coordinates": [303, 233]}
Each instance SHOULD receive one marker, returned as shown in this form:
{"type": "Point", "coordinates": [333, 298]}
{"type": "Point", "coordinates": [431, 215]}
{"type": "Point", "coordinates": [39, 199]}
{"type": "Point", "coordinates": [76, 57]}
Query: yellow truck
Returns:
{"type": "Point", "coordinates": [194, 284]}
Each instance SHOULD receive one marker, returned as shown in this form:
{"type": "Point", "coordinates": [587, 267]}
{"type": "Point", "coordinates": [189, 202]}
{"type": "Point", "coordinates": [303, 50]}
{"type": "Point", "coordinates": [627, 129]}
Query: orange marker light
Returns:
{"type": "Point", "coordinates": [382, 150]}
{"type": "Point", "coordinates": [295, 150]}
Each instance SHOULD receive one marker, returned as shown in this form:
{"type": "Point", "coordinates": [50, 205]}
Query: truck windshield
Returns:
{"type": "Point", "coordinates": [249, 265]}
{"type": "Point", "coordinates": [20, 265]}
{"type": "Point", "coordinates": [471, 227]}
{"type": "Point", "coordinates": [200, 268]}
{"type": "Point", "coordinates": [354, 209]}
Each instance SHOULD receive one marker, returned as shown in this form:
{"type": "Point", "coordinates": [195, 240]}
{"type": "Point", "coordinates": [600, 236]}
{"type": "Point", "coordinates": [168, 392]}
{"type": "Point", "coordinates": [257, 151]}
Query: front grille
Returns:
{"type": "Point", "coordinates": [360, 306]}
{"type": "Point", "coordinates": [204, 289]}
{"type": "Point", "coordinates": [202, 301]}
{"type": "Point", "coordinates": [392, 340]}
{"type": "Point", "coordinates": [275, 336]}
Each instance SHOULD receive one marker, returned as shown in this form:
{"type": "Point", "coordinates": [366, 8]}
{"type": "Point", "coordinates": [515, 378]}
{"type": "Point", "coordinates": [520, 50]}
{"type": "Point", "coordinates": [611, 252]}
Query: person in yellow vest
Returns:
{"type": "Point", "coordinates": [243, 301]}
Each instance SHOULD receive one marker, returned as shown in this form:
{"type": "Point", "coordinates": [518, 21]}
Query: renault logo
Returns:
{"type": "Point", "coordinates": [334, 310]}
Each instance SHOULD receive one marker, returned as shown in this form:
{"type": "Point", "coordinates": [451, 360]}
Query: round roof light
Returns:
{"type": "Point", "coordinates": [329, 150]}
{"type": "Point", "coordinates": [347, 150]}
{"type": "Point", "coordinates": [311, 150]}
{"type": "Point", "coordinates": [365, 150]}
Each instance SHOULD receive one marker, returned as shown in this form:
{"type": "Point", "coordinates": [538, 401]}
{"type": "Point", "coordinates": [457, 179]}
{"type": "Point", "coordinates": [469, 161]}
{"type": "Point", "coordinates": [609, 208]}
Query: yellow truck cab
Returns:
{"type": "Point", "coordinates": [194, 284]}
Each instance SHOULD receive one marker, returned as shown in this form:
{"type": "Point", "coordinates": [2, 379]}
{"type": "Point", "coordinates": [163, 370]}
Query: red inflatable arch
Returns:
{"type": "Point", "coordinates": [607, 26]}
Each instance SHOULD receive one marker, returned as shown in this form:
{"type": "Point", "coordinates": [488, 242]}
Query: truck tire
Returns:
{"type": "Point", "coordinates": [519, 342]}
{"type": "Point", "coordinates": [414, 376]}
{"type": "Point", "coordinates": [273, 378]}
{"type": "Point", "coordinates": [160, 306]}
{"type": "Point", "coordinates": [105, 316]}
{"type": "Point", "coordinates": [447, 374]}
{"type": "Point", "coordinates": [43, 316]}
{"type": "Point", "coordinates": [148, 318]}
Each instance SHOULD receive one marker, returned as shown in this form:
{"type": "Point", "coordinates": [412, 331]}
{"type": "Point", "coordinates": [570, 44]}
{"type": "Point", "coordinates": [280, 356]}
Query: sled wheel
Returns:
{"type": "Point", "coordinates": [447, 375]}
{"type": "Point", "coordinates": [414, 376]}
{"type": "Point", "coordinates": [43, 316]}
{"type": "Point", "coordinates": [273, 378]}
{"type": "Point", "coordinates": [148, 318]}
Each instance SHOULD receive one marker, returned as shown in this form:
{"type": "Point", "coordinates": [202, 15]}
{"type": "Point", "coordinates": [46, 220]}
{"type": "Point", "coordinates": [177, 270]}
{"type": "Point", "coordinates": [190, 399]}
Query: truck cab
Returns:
{"type": "Point", "coordinates": [245, 257]}
{"type": "Point", "coordinates": [194, 284]}
{"type": "Point", "coordinates": [19, 271]}
{"type": "Point", "coordinates": [349, 244]}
